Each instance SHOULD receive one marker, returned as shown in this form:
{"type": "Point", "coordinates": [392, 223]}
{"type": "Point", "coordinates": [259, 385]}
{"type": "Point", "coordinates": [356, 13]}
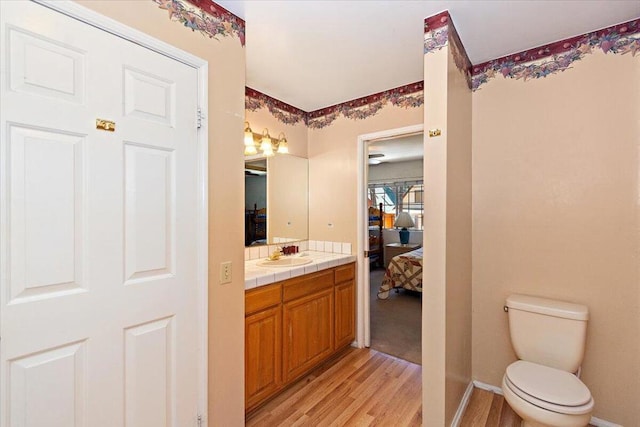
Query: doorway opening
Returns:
{"type": "Point", "coordinates": [392, 200]}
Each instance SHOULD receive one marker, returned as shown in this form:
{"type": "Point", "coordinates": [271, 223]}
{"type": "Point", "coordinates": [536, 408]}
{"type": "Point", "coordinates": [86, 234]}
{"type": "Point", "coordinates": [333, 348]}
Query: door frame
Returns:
{"type": "Point", "coordinates": [363, 320]}
{"type": "Point", "coordinates": [118, 29]}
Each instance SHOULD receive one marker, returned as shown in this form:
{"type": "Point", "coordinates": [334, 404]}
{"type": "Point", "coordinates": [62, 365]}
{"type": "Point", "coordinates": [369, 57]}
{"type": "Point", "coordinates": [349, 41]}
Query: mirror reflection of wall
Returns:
{"type": "Point", "coordinates": [288, 199]}
{"type": "Point", "coordinates": [276, 200]}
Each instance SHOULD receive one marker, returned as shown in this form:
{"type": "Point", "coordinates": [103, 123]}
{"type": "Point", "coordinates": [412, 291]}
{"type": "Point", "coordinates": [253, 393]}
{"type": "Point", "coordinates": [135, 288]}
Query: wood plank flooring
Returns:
{"type": "Point", "coordinates": [489, 409]}
{"type": "Point", "coordinates": [361, 388]}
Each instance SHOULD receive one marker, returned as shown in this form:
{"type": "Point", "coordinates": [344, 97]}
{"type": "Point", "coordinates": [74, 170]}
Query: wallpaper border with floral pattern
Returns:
{"type": "Point", "coordinates": [558, 56]}
{"type": "Point", "coordinates": [436, 32]}
{"type": "Point", "coordinates": [283, 112]}
{"type": "Point", "coordinates": [204, 16]}
{"type": "Point", "coordinates": [407, 96]}
{"type": "Point", "coordinates": [439, 31]}
{"type": "Point", "coordinates": [214, 21]}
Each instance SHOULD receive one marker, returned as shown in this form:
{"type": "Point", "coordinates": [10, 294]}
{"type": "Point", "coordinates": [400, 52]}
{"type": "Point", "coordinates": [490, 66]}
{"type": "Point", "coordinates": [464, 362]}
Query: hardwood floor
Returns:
{"type": "Point", "coordinates": [362, 387]}
{"type": "Point", "coordinates": [489, 409]}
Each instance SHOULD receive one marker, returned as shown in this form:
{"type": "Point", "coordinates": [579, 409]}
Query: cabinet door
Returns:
{"type": "Point", "coordinates": [263, 355]}
{"type": "Point", "coordinates": [345, 313]}
{"type": "Point", "coordinates": [308, 332]}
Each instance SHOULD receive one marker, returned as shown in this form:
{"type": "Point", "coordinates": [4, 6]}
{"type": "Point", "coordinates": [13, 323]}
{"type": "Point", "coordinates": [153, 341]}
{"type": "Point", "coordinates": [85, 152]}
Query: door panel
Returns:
{"type": "Point", "coordinates": [45, 180]}
{"type": "Point", "coordinates": [149, 212]}
{"type": "Point", "coordinates": [308, 332]}
{"type": "Point", "coordinates": [46, 67]}
{"type": "Point", "coordinates": [150, 374]}
{"type": "Point", "coordinates": [47, 388]}
{"type": "Point", "coordinates": [85, 213]}
{"type": "Point", "coordinates": [149, 97]}
{"type": "Point", "coordinates": [345, 313]}
{"type": "Point", "coordinates": [263, 355]}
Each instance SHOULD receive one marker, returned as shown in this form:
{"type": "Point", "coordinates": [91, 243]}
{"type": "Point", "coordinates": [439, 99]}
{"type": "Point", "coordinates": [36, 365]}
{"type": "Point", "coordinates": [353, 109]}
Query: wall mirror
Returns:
{"type": "Point", "coordinates": [276, 200]}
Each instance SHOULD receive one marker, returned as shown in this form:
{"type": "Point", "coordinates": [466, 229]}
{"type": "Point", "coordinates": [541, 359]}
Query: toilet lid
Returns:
{"type": "Point", "coordinates": [550, 385]}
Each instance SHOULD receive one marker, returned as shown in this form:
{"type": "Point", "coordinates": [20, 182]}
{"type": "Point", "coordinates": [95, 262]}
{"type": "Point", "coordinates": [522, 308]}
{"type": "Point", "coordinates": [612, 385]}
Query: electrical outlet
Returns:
{"type": "Point", "coordinates": [225, 272]}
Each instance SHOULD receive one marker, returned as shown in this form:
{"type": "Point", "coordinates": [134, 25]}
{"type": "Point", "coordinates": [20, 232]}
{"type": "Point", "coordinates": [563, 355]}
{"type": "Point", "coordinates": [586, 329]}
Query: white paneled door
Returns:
{"type": "Point", "coordinates": [98, 228]}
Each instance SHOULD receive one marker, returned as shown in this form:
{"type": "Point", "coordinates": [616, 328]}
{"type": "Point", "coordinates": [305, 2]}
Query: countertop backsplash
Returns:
{"type": "Point", "coordinates": [323, 255]}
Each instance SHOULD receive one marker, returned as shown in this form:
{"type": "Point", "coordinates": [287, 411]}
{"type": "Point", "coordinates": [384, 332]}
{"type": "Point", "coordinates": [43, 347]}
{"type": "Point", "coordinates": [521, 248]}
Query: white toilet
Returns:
{"type": "Point", "coordinates": [548, 337]}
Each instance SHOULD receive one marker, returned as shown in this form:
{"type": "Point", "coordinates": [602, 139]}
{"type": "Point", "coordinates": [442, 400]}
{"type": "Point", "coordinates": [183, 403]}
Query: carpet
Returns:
{"type": "Point", "coordinates": [396, 323]}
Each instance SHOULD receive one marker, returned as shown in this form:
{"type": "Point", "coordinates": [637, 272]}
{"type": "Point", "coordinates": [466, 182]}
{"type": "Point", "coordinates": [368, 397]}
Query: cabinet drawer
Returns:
{"type": "Point", "coordinates": [345, 272]}
{"type": "Point", "coordinates": [262, 297]}
{"type": "Point", "coordinates": [305, 285]}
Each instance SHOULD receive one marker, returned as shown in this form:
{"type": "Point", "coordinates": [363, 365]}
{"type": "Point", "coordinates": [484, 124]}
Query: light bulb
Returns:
{"type": "Point", "coordinates": [265, 144]}
{"type": "Point", "coordinates": [248, 136]}
{"type": "Point", "coordinates": [283, 147]}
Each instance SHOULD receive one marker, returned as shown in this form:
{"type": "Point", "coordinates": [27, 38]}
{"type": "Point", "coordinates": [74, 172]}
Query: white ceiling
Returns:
{"type": "Point", "coordinates": [313, 54]}
{"type": "Point", "coordinates": [397, 149]}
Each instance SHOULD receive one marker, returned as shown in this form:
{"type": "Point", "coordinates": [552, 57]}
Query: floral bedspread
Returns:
{"type": "Point", "coordinates": [404, 271]}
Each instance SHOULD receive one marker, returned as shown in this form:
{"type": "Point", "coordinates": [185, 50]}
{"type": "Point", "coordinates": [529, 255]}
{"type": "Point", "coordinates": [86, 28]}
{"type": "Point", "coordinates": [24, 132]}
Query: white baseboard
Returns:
{"type": "Point", "coordinates": [488, 387]}
{"type": "Point", "coordinates": [463, 405]}
{"type": "Point", "coordinates": [602, 423]}
{"type": "Point", "coordinates": [597, 422]}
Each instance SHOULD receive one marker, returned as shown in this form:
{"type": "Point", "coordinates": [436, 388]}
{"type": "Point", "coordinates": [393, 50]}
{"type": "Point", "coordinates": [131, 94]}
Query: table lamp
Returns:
{"type": "Point", "coordinates": [404, 220]}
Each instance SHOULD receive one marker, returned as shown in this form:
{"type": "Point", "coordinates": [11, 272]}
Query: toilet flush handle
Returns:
{"type": "Point", "coordinates": [506, 309]}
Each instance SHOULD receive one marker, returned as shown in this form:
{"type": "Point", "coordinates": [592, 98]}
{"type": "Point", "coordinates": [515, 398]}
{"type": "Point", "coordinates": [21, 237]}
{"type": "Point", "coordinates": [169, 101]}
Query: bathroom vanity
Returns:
{"type": "Point", "coordinates": [293, 325]}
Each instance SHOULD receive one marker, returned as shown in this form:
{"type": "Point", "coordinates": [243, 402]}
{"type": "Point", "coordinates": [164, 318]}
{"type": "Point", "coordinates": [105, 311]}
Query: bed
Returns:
{"type": "Point", "coordinates": [404, 271]}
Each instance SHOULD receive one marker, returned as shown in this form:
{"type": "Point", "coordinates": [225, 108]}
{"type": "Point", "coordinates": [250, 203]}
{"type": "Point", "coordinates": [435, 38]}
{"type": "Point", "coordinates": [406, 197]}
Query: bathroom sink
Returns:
{"type": "Point", "coordinates": [284, 262]}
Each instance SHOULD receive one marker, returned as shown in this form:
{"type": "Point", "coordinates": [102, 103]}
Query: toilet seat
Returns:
{"type": "Point", "coordinates": [549, 388]}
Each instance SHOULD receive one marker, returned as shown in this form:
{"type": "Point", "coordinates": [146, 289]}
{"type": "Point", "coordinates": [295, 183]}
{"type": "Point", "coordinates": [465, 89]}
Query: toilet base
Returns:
{"type": "Point", "coordinates": [526, 423]}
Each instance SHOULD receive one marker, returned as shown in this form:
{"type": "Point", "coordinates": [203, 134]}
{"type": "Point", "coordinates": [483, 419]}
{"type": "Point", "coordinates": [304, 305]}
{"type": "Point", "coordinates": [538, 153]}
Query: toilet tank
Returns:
{"type": "Point", "coordinates": [548, 332]}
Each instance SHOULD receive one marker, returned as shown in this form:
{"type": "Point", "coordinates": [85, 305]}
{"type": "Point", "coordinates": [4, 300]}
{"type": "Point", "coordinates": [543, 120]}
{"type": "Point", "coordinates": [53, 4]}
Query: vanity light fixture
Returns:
{"type": "Point", "coordinates": [268, 145]}
{"type": "Point", "coordinates": [249, 145]}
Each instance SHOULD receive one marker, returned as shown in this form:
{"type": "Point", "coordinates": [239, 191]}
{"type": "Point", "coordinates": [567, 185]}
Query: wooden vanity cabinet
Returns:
{"type": "Point", "coordinates": [263, 343]}
{"type": "Point", "coordinates": [307, 322]}
{"type": "Point", "coordinates": [293, 326]}
{"type": "Point", "coordinates": [345, 303]}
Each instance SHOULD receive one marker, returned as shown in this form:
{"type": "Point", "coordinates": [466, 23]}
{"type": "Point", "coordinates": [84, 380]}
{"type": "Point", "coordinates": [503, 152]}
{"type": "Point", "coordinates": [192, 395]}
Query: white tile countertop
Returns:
{"type": "Point", "coordinates": [255, 275]}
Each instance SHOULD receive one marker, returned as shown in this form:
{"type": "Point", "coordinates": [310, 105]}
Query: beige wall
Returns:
{"type": "Point", "coordinates": [226, 59]}
{"type": "Point", "coordinates": [333, 168]}
{"type": "Point", "coordinates": [435, 240]}
{"type": "Point", "coordinates": [556, 208]}
{"type": "Point", "coordinates": [446, 333]}
{"type": "Point", "coordinates": [458, 250]}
